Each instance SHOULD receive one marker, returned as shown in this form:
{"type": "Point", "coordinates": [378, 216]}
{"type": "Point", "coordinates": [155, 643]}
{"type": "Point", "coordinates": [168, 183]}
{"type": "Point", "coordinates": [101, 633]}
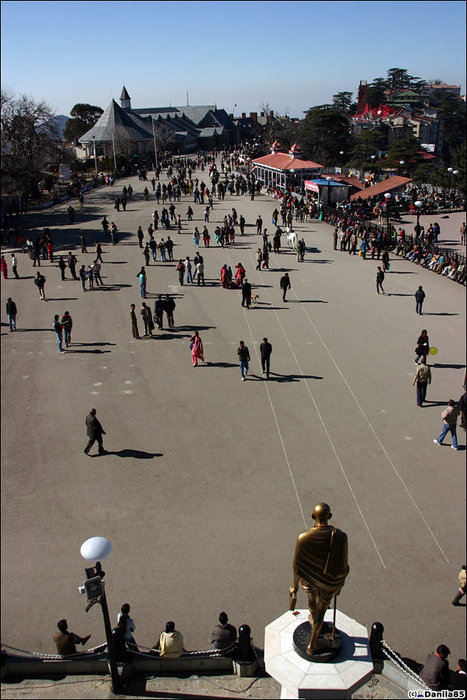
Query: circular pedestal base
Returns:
{"type": "Point", "coordinates": [328, 648]}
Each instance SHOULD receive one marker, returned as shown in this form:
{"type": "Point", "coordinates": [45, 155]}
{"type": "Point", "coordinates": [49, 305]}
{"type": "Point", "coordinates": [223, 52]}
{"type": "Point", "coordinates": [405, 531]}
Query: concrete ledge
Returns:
{"type": "Point", "coordinates": [399, 678]}
{"type": "Point", "coordinates": [147, 663]}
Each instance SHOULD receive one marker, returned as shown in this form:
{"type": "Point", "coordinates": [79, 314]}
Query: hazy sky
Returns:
{"type": "Point", "coordinates": [291, 55]}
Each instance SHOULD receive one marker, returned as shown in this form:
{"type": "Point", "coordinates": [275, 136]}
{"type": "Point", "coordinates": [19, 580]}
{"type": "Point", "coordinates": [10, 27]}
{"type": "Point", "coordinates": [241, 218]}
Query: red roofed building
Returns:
{"type": "Point", "coordinates": [392, 184]}
{"type": "Point", "coordinates": [280, 169]}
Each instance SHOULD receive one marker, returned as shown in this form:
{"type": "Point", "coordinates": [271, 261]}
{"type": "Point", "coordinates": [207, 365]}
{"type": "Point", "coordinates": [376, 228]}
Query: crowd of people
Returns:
{"type": "Point", "coordinates": [351, 236]}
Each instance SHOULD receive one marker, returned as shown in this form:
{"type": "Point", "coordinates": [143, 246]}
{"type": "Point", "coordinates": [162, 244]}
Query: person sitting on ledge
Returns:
{"type": "Point", "coordinates": [458, 679]}
{"type": "Point", "coordinates": [435, 673]}
{"type": "Point", "coordinates": [224, 634]}
{"type": "Point", "coordinates": [66, 641]}
{"type": "Point", "coordinates": [170, 642]}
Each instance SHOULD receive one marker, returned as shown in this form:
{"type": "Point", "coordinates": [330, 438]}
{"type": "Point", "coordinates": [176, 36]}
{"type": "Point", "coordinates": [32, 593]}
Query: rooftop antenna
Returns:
{"type": "Point", "coordinates": [187, 103]}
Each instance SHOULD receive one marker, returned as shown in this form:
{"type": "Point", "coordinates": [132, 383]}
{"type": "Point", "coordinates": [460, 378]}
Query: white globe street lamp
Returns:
{"type": "Point", "coordinates": [97, 549]}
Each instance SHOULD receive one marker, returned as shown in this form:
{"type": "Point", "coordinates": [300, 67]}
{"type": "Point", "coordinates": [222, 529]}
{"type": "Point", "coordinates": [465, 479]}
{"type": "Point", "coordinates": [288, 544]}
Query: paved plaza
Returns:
{"type": "Point", "coordinates": [209, 479]}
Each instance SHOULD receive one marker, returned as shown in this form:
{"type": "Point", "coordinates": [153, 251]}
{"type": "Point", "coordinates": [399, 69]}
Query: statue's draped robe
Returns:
{"type": "Point", "coordinates": [321, 560]}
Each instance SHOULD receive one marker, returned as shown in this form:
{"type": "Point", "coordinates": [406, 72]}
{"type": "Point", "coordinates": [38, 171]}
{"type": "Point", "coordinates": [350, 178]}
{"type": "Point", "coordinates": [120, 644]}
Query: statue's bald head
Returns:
{"type": "Point", "coordinates": [321, 513]}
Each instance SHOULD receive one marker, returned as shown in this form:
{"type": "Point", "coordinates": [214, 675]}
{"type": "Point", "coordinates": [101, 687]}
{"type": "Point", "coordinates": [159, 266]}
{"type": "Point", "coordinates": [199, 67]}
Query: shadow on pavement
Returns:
{"type": "Point", "coordinates": [218, 364]}
{"type": "Point", "coordinates": [136, 454]}
{"type": "Point", "coordinates": [274, 377]}
{"type": "Point", "coordinates": [195, 328]}
{"type": "Point", "coordinates": [82, 352]}
{"type": "Point", "coordinates": [441, 313]}
{"type": "Point", "coordinates": [62, 299]}
{"type": "Point", "coordinates": [306, 301]}
{"type": "Point", "coordinates": [92, 344]}
{"type": "Point", "coordinates": [446, 366]}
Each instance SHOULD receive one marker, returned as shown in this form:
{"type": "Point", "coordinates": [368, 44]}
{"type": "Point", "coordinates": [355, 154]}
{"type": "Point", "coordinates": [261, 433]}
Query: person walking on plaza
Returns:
{"type": "Point", "coordinates": [259, 259]}
{"type": "Point", "coordinates": [379, 280]}
{"type": "Point", "coordinates": [199, 272]}
{"type": "Point", "coordinates": [419, 299]}
{"type": "Point", "coordinates": [462, 232]}
{"type": "Point", "coordinates": [189, 276]}
{"type": "Point", "coordinates": [284, 284]}
{"type": "Point", "coordinates": [462, 586]}
{"type": "Point", "coordinates": [66, 641]}
{"type": "Point", "coordinates": [142, 282]}
{"type": "Point", "coordinates": [146, 253]}
{"type": "Point", "coordinates": [83, 243]}
{"type": "Point", "coordinates": [140, 235]}
{"type": "Point", "coordinates": [99, 252]}
{"type": "Point", "coordinates": [265, 350]}
{"type": "Point", "coordinates": [146, 315]}
{"type": "Point", "coordinates": [181, 272]}
{"type": "Point", "coordinates": [90, 276]}
{"type": "Point", "coordinates": [83, 276]}
{"type": "Point", "coordinates": [422, 378]}
{"type": "Point", "coordinates": [39, 281]}
{"type": "Point", "coordinates": [169, 308]}
{"type": "Point", "coordinates": [159, 312]}
{"type": "Point", "coordinates": [96, 268]}
{"type": "Point", "coordinates": [11, 311]}
{"type": "Point", "coordinates": [95, 431]}
{"type": "Point", "coordinates": [67, 323]}
{"type": "Point", "coordinates": [244, 358]}
{"type": "Point", "coordinates": [134, 322]}
{"type": "Point", "coordinates": [58, 328]}
{"type": "Point", "coordinates": [62, 266]}
{"type": "Point", "coordinates": [423, 348]}
{"type": "Point", "coordinates": [14, 265]}
{"type": "Point", "coordinates": [449, 417]}
{"type": "Point", "coordinates": [4, 267]}
{"type": "Point", "coordinates": [197, 351]}
{"type": "Point", "coordinates": [246, 293]}
{"type": "Point", "coordinates": [259, 225]}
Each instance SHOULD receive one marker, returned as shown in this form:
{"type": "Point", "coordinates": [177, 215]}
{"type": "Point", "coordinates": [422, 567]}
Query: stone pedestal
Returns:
{"type": "Point", "coordinates": [305, 679]}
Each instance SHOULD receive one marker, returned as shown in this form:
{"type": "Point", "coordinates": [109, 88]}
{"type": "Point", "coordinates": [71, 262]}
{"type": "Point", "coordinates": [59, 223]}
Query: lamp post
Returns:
{"type": "Point", "coordinates": [329, 180]}
{"type": "Point", "coordinates": [402, 163]}
{"type": "Point", "coordinates": [419, 205]}
{"type": "Point", "coordinates": [95, 153]}
{"type": "Point", "coordinates": [292, 172]}
{"type": "Point", "coordinates": [455, 172]}
{"type": "Point", "coordinates": [387, 197]}
{"type": "Point", "coordinates": [156, 165]}
{"type": "Point", "coordinates": [450, 171]}
{"type": "Point", "coordinates": [341, 153]}
{"type": "Point", "coordinates": [95, 549]}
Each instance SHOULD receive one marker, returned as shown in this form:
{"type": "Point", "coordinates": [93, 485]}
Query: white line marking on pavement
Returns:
{"type": "Point", "coordinates": [327, 435]}
{"type": "Point", "coordinates": [278, 428]}
{"type": "Point", "coordinates": [393, 466]}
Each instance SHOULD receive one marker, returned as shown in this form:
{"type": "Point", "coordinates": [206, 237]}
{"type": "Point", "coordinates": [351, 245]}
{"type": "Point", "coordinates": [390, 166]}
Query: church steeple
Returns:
{"type": "Point", "coordinates": [125, 99]}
